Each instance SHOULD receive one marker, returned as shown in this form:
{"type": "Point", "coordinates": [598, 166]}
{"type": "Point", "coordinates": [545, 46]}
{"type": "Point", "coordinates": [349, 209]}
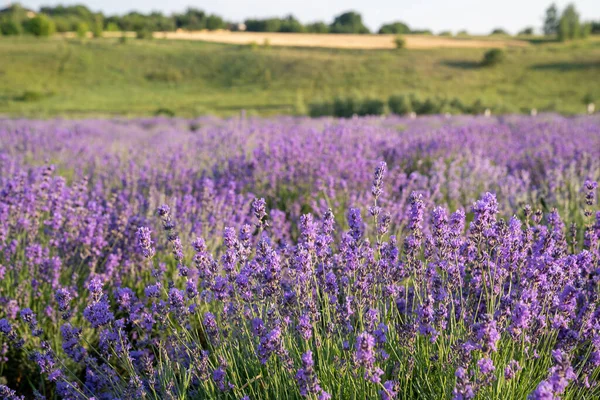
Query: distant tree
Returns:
{"type": "Point", "coordinates": [394, 28]}
{"type": "Point", "coordinates": [586, 30]}
{"type": "Point", "coordinates": [526, 31]}
{"type": "Point", "coordinates": [193, 19]}
{"type": "Point", "coordinates": [400, 42]}
{"type": "Point", "coordinates": [263, 25]}
{"type": "Point", "coordinates": [317, 27]}
{"type": "Point", "coordinates": [445, 33]}
{"type": "Point", "coordinates": [10, 27]}
{"type": "Point", "coordinates": [112, 27]}
{"type": "Point", "coordinates": [422, 31]}
{"type": "Point", "coordinates": [569, 27]}
{"type": "Point", "coordinates": [551, 20]}
{"type": "Point", "coordinates": [82, 30]}
{"type": "Point", "coordinates": [40, 25]}
{"type": "Point", "coordinates": [214, 22]}
{"type": "Point", "coordinates": [462, 33]}
{"type": "Point", "coordinates": [492, 57]}
{"type": "Point", "coordinates": [499, 31]}
{"type": "Point", "coordinates": [595, 27]}
{"type": "Point", "coordinates": [291, 24]}
{"type": "Point", "coordinates": [348, 22]}
{"type": "Point", "coordinates": [98, 25]}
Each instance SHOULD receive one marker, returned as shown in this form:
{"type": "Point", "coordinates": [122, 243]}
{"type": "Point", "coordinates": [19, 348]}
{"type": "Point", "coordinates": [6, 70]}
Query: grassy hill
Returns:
{"type": "Point", "coordinates": [58, 76]}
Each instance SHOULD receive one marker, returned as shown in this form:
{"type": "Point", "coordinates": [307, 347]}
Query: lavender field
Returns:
{"type": "Point", "coordinates": [289, 258]}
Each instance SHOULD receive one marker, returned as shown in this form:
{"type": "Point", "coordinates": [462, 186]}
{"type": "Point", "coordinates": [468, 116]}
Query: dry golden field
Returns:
{"type": "Point", "coordinates": [339, 40]}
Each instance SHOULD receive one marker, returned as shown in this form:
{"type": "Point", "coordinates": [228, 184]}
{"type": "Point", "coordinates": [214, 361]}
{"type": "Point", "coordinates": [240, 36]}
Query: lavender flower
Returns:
{"type": "Point", "coordinates": [145, 242]}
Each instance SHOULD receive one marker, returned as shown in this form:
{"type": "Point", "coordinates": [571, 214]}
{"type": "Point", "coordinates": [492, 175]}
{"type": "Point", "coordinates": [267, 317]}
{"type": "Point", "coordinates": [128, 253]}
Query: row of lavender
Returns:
{"type": "Point", "coordinates": [296, 296]}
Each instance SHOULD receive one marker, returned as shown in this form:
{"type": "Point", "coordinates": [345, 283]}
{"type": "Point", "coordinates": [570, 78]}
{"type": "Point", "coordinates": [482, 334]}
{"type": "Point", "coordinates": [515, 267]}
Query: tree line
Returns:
{"type": "Point", "coordinates": [16, 19]}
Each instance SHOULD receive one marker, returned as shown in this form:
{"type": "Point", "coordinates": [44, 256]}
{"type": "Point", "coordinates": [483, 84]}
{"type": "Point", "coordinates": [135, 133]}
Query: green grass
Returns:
{"type": "Point", "coordinates": [50, 77]}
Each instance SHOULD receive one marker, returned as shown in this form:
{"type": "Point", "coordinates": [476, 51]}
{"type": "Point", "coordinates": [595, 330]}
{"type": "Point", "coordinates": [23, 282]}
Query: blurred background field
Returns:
{"type": "Point", "coordinates": [70, 77]}
{"type": "Point", "coordinates": [70, 61]}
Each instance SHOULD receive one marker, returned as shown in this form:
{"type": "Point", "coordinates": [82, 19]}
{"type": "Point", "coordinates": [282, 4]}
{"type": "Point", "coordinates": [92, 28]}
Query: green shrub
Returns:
{"type": "Point", "coordinates": [320, 109]}
{"type": "Point", "coordinates": [458, 107]}
{"type": "Point", "coordinates": [143, 34]}
{"type": "Point", "coordinates": [492, 57]}
{"type": "Point", "coordinates": [97, 26]}
{"type": "Point", "coordinates": [165, 75]}
{"type": "Point", "coordinates": [371, 107]}
{"type": "Point", "coordinates": [427, 106]}
{"type": "Point", "coordinates": [400, 42]}
{"type": "Point", "coordinates": [499, 31]}
{"type": "Point", "coordinates": [41, 25]}
{"type": "Point", "coordinates": [30, 96]}
{"type": "Point", "coordinates": [478, 107]}
{"type": "Point", "coordinates": [82, 30]}
{"type": "Point", "coordinates": [394, 28]}
{"type": "Point", "coordinates": [588, 98]}
{"type": "Point", "coordinates": [345, 107]}
{"type": "Point", "coordinates": [164, 111]}
{"type": "Point", "coordinates": [399, 104]}
{"type": "Point", "coordinates": [112, 27]}
{"type": "Point", "coordinates": [11, 27]}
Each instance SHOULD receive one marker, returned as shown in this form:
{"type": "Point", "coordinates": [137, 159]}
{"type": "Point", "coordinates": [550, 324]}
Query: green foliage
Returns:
{"type": "Point", "coordinates": [445, 33]}
{"type": "Point", "coordinates": [214, 22]}
{"type": "Point", "coordinates": [167, 75]}
{"type": "Point", "coordinates": [287, 24]}
{"type": "Point", "coordinates": [320, 109]}
{"type": "Point", "coordinates": [143, 34]}
{"type": "Point", "coordinates": [291, 24]}
{"type": "Point", "coordinates": [30, 96]}
{"type": "Point", "coordinates": [400, 42]}
{"type": "Point", "coordinates": [526, 31]}
{"type": "Point", "coordinates": [345, 107]}
{"type": "Point", "coordinates": [551, 21]}
{"type": "Point", "coordinates": [10, 27]}
{"type": "Point", "coordinates": [371, 107]}
{"type": "Point", "coordinates": [499, 31]}
{"type": "Point", "coordinates": [348, 22]}
{"type": "Point", "coordinates": [394, 28]}
{"type": "Point", "coordinates": [317, 27]}
{"type": "Point", "coordinates": [300, 105]}
{"type": "Point", "coordinates": [492, 57]}
{"type": "Point", "coordinates": [192, 19]}
{"type": "Point", "coordinates": [231, 77]}
{"type": "Point", "coordinates": [82, 30]}
{"type": "Point", "coordinates": [263, 25]}
{"type": "Point", "coordinates": [430, 105]}
{"type": "Point", "coordinates": [586, 30]}
{"type": "Point", "coordinates": [40, 25]}
{"type": "Point", "coordinates": [569, 27]}
{"type": "Point", "coordinates": [422, 32]}
{"type": "Point", "coordinates": [399, 104]}
{"type": "Point", "coordinates": [167, 112]}
{"type": "Point", "coordinates": [98, 26]}
{"type": "Point", "coordinates": [112, 27]}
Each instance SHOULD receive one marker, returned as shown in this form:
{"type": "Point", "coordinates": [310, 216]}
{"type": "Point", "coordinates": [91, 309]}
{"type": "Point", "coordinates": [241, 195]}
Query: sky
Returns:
{"type": "Point", "coordinates": [475, 16]}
